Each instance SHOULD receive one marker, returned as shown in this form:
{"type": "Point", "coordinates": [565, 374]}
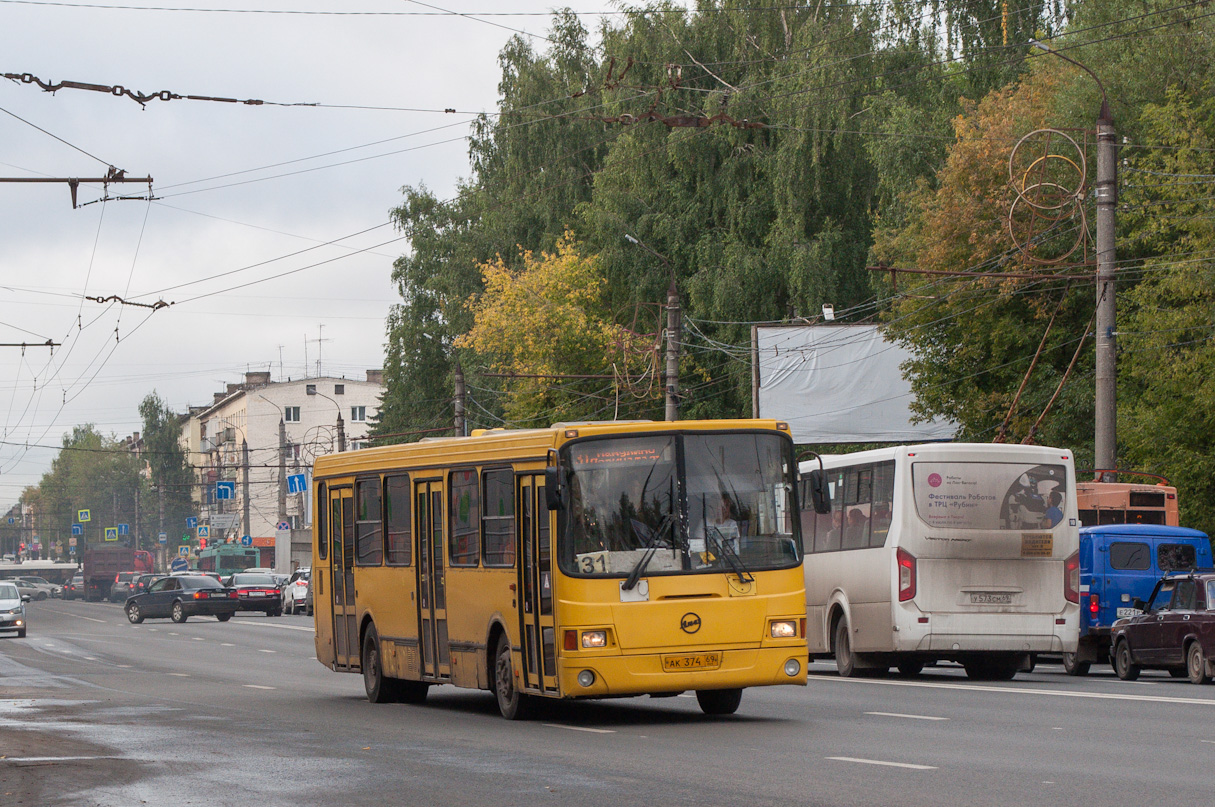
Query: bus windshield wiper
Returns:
{"type": "Point", "coordinates": [652, 539]}
{"type": "Point", "coordinates": [732, 558]}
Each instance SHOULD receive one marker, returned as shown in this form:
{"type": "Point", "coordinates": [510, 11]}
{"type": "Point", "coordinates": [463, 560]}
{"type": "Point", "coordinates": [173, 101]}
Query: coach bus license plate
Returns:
{"type": "Point", "coordinates": [691, 661]}
{"type": "Point", "coordinates": [991, 598]}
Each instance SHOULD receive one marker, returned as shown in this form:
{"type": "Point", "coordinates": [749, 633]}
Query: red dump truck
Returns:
{"type": "Point", "coordinates": [103, 562]}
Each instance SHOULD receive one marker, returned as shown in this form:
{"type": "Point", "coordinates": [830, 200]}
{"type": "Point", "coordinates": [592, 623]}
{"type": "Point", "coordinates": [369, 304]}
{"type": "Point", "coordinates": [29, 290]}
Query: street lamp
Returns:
{"type": "Point", "coordinates": [673, 332]}
{"type": "Point", "coordinates": [1105, 450]}
{"type": "Point", "coordinates": [341, 426]}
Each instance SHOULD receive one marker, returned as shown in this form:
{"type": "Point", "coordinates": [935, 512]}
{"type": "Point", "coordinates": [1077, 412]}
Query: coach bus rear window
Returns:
{"type": "Point", "coordinates": [989, 495]}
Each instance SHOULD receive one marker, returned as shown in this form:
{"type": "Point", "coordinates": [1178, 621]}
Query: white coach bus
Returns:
{"type": "Point", "coordinates": [943, 551]}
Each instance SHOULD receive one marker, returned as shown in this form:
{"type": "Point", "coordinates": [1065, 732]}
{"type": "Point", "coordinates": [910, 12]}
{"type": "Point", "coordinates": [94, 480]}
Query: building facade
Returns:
{"type": "Point", "coordinates": [254, 437]}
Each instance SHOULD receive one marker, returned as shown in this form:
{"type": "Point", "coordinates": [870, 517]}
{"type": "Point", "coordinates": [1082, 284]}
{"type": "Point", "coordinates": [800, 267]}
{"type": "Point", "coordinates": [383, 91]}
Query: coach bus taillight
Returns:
{"type": "Point", "coordinates": [1094, 604]}
{"type": "Point", "coordinates": [906, 575]}
{"type": "Point", "coordinates": [1071, 579]}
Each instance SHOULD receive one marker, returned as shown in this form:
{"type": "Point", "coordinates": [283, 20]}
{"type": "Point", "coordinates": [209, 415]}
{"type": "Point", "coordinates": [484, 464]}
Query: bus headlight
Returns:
{"type": "Point", "coordinates": [594, 638]}
{"type": "Point", "coordinates": [586, 678]}
{"type": "Point", "coordinates": [792, 667]}
{"type": "Point", "coordinates": [785, 629]}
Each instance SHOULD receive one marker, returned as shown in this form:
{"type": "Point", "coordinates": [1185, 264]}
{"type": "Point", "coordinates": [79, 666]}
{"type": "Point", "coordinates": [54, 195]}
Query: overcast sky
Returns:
{"type": "Point", "coordinates": [253, 191]}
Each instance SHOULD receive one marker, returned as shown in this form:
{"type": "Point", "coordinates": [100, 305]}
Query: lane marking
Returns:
{"type": "Point", "coordinates": [256, 686]}
{"type": "Point", "coordinates": [1113, 696]}
{"type": "Point", "coordinates": [199, 639]}
{"type": "Point", "coordinates": [180, 675]}
{"type": "Point", "coordinates": [89, 658]}
{"type": "Point", "coordinates": [124, 666]}
{"type": "Point", "coordinates": [51, 759]}
{"type": "Point", "coordinates": [171, 633]}
{"type": "Point", "coordinates": [77, 616]}
{"type": "Point", "coordinates": [226, 644]}
{"type": "Point", "coordinates": [245, 624]}
{"type": "Point", "coordinates": [263, 650]}
{"type": "Point", "coordinates": [578, 728]}
{"type": "Point", "coordinates": [909, 717]}
{"type": "Point", "coordinates": [888, 764]}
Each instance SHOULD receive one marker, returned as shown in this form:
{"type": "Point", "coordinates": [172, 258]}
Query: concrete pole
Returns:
{"type": "Point", "coordinates": [459, 402]}
{"type": "Point", "coordinates": [1105, 454]}
{"type": "Point", "coordinates": [673, 339]}
{"type": "Point", "coordinates": [341, 426]}
{"type": "Point", "coordinates": [244, 461]}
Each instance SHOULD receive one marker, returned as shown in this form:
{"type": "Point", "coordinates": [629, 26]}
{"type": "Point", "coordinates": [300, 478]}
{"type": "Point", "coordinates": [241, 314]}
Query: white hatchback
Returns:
{"type": "Point", "coordinates": [295, 590]}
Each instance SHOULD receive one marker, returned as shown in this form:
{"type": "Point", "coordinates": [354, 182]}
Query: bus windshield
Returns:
{"type": "Point", "coordinates": [679, 503]}
{"type": "Point", "coordinates": [989, 495]}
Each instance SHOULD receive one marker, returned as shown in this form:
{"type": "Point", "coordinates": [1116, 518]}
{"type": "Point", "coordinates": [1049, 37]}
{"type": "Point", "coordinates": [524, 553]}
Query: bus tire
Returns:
{"type": "Point", "coordinates": [845, 661]}
{"type": "Point", "coordinates": [379, 688]}
{"type": "Point", "coordinates": [910, 668]}
{"type": "Point", "coordinates": [513, 704]}
{"type": "Point", "coordinates": [719, 701]}
{"type": "Point", "coordinates": [1124, 666]}
{"type": "Point", "coordinates": [1196, 664]}
{"type": "Point", "coordinates": [1073, 667]}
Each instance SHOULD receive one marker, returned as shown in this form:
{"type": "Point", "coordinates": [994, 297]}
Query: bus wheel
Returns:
{"type": "Point", "coordinates": [719, 701]}
{"type": "Point", "coordinates": [1126, 669]}
{"type": "Point", "coordinates": [1196, 664]}
{"type": "Point", "coordinates": [910, 669]}
{"type": "Point", "coordinates": [379, 689]}
{"type": "Point", "coordinates": [845, 662]}
{"type": "Point", "coordinates": [513, 704]}
{"type": "Point", "coordinates": [1073, 667]}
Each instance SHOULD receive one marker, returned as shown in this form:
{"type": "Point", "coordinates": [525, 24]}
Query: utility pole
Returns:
{"type": "Point", "coordinates": [341, 427]}
{"type": "Point", "coordinates": [282, 470]}
{"type": "Point", "coordinates": [1105, 454]}
{"type": "Point", "coordinates": [673, 339]}
{"type": "Point", "coordinates": [1105, 442]}
{"type": "Point", "coordinates": [244, 461]}
{"type": "Point", "coordinates": [459, 422]}
{"type": "Point", "coordinates": [73, 183]}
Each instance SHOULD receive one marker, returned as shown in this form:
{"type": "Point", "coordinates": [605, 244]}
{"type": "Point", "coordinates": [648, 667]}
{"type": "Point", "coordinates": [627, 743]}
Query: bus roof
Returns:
{"type": "Point", "coordinates": [975, 451]}
{"type": "Point", "coordinates": [1143, 531]}
{"type": "Point", "coordinates": [505, 445]}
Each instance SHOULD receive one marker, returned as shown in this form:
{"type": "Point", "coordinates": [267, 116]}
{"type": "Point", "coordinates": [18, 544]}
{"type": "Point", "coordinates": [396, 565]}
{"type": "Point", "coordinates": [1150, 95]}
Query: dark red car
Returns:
{"type": "Point", "coordinates": [1174, 632]}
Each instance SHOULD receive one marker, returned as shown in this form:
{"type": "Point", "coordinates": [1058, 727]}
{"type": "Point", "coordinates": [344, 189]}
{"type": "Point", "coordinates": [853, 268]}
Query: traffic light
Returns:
{"type": "Point", "coordinates": [202, 543]}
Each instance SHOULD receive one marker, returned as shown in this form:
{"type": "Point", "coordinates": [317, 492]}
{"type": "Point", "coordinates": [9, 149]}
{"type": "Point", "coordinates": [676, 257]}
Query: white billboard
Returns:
{"type": "Point", "coordinates": [838, 384]}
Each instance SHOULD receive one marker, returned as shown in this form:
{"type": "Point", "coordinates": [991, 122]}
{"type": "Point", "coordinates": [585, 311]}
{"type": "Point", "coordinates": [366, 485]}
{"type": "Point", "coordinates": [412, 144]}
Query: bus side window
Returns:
{"type": "Point", "coordinates": [368, 538]}
{"type": "Point", "coordinates": [465, 518]}
{"type": "Point", "coordinates": [827, 526]}
{"type": "Point", "coordinates": [883, 503]}
{"type": "Point", "coordinates": [322, 531]}
{"type": "Point", "coordinates": [397, 532]}
{"type": "Point", "coordinates": [498, 518]}
{"type": "Point", "coordinates": [858, 485]}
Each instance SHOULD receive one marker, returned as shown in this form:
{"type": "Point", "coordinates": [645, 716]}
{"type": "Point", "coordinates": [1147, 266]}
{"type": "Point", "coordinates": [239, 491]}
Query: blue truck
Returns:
{"type": "Point", "coordinates": [1119, 562]}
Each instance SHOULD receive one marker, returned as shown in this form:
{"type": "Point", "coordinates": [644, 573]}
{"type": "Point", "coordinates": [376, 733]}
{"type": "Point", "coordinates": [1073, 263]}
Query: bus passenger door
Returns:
{"type": "Point", "coordinates": [539, 634]}
{"type": "Point", "coordinates": [341, 543]}
{"type": "Point", "coordinates": [432, 579]}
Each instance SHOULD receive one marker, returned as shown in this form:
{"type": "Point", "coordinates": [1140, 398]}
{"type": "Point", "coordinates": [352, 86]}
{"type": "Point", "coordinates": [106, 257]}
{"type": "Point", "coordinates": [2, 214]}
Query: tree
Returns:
{"type": "Point", "coordinates": [171, 481]}
{"type": "Point", "coordinates": [547, 320]}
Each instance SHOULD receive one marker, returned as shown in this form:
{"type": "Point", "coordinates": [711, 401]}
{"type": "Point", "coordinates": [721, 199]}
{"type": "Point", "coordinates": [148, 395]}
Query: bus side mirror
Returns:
{"type": "Point", "coordinates": [820, 496]}
{"type": "Point", "coordinates": [554, 496]}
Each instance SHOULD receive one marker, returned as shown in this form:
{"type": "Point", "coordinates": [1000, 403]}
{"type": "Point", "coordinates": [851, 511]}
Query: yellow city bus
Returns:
{"type": "Point", "coordinates": [586, 560]}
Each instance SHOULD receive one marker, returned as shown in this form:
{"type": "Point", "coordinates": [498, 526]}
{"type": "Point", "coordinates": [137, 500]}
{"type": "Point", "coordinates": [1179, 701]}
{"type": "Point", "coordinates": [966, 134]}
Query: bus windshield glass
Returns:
{"type": "Point", "coordinates": [679, 503]}
{"type": "Point", "coordinates": [989, 495]}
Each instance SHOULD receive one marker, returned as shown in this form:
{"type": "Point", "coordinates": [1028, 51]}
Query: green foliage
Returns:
{"type": "Point", "coordinates": [170, 479]}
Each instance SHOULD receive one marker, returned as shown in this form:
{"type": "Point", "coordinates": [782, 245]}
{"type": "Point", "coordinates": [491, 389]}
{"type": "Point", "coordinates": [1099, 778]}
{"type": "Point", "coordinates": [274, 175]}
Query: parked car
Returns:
{"type": "Point", "coordinates": [124, 586]}
{"type": "Point", "coordinates": [295, 591]}
{"type": "Point", "coordinates": [74, 588]}
{"type": "Point", "coordinates": [43, 585]}
{"type": "Point", "coordinates": [1175, 630]}
{"type": "Point", "coordinates": [143, 581]}
{"type": "Point", "coordinates": [1119, 562]}
{"type": "Point", "coordinates": [258, 592]}
{"type": "Point", "coordinates": [12, 608]}
{"type": "Point", "coordinates": [308, 609]}
{"type": "Point", "coordinates": [180, 597]}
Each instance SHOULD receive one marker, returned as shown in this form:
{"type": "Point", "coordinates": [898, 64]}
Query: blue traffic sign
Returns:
{"type": "Point", "coordinates": [297, 483]}
{"type": "Point", "coordinates": [225, 490]}
{"type": "Point", "coordinates": [163, 537]}
{"type": "Point", "coordinates": [179, 565]}
{"type": "Point", "coordinates": [191, 523]}
{"type": "Point", "coordinates": [124, 529]}
{"type": "Point", "coordinates": [77, 529]}
{"type": "Point", "coordinates": [111, 533]}
{"type": "Point", "coordinates": [246, 540]}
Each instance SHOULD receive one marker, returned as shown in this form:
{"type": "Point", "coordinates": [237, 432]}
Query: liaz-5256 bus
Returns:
{"type": "Point", "coordinates": [586, 560]}
{"type": "Point", "coordinates": [963, 552]}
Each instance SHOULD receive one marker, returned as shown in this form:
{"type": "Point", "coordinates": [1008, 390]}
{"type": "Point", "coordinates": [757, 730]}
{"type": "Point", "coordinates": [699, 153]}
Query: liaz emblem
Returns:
{"type": "Point", "coordinates": [689, 622]}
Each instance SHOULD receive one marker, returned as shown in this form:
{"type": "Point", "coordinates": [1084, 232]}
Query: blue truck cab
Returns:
{"type": "Point", "coordinates": [1119, 562]}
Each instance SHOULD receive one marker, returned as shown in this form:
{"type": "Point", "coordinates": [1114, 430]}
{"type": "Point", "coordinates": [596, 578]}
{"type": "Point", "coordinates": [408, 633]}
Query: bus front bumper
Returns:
{"type": "Point", "coordinates": [656, 673]}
